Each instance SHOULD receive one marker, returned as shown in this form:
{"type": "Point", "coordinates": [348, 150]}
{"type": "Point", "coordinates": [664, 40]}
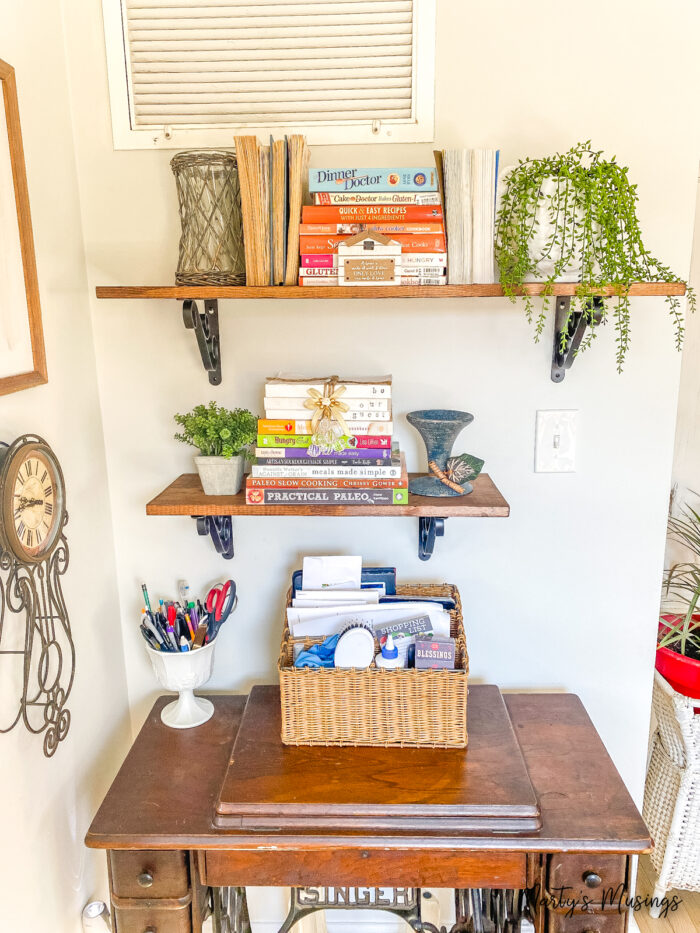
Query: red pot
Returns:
{"type": "Point", "coordinates": [682, 673]}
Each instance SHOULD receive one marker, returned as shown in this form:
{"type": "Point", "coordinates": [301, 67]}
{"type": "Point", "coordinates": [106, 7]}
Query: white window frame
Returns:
{"type": "Point", "coordinates": [419, 129]}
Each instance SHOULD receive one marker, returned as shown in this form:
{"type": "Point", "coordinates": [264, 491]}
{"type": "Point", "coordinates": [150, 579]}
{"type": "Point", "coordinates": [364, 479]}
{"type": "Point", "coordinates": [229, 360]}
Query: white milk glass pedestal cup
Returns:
{"type": "Point", "coordinates": [184, 671]}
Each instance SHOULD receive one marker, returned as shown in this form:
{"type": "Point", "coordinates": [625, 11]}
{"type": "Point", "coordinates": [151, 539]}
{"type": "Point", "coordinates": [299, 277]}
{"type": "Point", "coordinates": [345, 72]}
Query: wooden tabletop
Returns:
{"type": "Point", "coordinates": [165, 793]}
{"type": "Point", "coordinates": [185, 496]}
{"type": "Point", "coordinates": [374, 789]}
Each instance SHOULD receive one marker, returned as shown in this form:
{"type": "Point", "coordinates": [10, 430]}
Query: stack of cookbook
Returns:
{"type": "Point", "coordinates": [401, 203]}
{"type": "Point", "coordinates": [327, 441]}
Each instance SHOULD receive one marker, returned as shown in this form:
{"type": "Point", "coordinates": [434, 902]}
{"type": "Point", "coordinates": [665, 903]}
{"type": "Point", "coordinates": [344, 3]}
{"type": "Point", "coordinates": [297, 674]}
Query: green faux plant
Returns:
{"type": "Point", "coordinates": [218, 432]}
{"type": "Point", "coordinates": [589, 209]}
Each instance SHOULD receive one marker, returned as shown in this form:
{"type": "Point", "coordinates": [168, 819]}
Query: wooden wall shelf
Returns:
{"type": "Point", "coordinates": [213, 513]}
{"type": "Point", "coordinates": [568, 334]}
{"type": "Point", "coordinates": [201, 292]}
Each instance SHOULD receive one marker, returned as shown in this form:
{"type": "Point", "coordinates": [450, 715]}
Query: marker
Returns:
{"type": "Point", "coordinates": [189, 625]}
{"type": "Point", "coordinates": [146, 600]}
{"type": "Point", "coordinates": [184, 645]}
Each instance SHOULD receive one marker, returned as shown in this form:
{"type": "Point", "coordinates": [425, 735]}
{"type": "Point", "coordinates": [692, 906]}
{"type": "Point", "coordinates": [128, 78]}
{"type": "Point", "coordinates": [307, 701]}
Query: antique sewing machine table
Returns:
{"type": "Point", "coordinates": [534, 805]}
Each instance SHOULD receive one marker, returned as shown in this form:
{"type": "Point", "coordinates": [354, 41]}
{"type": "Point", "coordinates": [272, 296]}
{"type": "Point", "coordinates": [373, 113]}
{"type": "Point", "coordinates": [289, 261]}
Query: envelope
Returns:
{"type": "Point", "coordinates": [335, 572]}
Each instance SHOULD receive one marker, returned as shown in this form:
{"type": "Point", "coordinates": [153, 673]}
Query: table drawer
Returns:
{"type": "Point", "coordinates": [609, 922]}
{"type": "Point", "coordinates": [149, 873]}
{"type": "Point", "coordinates": [437, 868]}
{"type": "Point", "coordinates": [587, 876]}
{"type": "Point", "coordinates": [153, 919]}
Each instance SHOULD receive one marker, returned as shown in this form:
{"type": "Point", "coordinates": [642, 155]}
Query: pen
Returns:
{"type": "Point", "coordinates": [148, 623]}
{"type": "Point", "coordinates": [189, 625]}
{"type": "Point", "coordinates": [146, 600]}
{"type": "Point", "coordinates": [184, 645]}
{"type": "Point", "coordinates": [171, 629]}
{"type": "Point", "coordinates": [150, 639]}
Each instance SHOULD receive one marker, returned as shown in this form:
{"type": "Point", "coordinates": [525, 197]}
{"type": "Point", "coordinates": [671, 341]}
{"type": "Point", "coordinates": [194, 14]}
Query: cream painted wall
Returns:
{"type": "Point", "coordinates": [46, 873]}
{"type": "Point", "coordinates": [686, 460]}
{"type": "Point", "coordinates": [561, 596]}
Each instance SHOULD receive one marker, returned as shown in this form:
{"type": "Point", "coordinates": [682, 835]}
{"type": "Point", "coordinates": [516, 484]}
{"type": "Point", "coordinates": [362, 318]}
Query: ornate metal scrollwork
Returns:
{"type": "Point", "coordinates": [478, 910]}
{"type": "Point", "coordinates": [35, 631]}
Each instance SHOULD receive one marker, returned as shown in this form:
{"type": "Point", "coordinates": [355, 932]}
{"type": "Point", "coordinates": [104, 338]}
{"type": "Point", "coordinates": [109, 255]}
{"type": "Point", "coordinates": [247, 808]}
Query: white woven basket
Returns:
{"type": "Point", "coordinates": [672, 791]}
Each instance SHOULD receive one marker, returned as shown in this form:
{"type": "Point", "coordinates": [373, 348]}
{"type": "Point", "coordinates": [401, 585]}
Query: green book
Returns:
{"type": "Point", "coordinates": [288, 440]}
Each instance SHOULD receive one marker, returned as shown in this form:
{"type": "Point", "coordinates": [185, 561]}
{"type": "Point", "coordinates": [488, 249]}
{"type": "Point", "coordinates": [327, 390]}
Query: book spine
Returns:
{"type": "Point", "coordinates": [330, 261]}
{"type": "Point", "coordinates": [354, 404]}
{"type": "Point", "coordinates": [368, 455]}
{"type": "Point", "coordinates": [317, 461]}
{"type": "Point", "coordinates": [257, 482]}
{"type": "Point", "coordinates": [326, 472]}
{"type": "Point", "coordinates": [352, 416]}
{"type": "Point", "coordinates": [414, 243]}
{"type": "Point", "coordinates": [326, 496]}
{"type": "Point", "coordinates": [373, 179]}
{"type": "Point", "coordinates": [304, 440]}
{"type": "Point", "coordinates": [282, 389]}
{"type": "Point", "coordinates": [404, 269]}
{"type": "Point", "coordinates": [331, 281]}
{"type": "Point", "coordinates": [367, 213]}
{"type": "Point", "coordinates": [328, 198]}
{"type": "Point", "coordinates": [387, 229]}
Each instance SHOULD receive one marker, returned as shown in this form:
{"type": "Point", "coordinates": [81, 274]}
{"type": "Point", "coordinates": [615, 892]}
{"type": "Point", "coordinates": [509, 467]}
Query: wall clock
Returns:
{"type": "Point", "coordinates": [36, 645]}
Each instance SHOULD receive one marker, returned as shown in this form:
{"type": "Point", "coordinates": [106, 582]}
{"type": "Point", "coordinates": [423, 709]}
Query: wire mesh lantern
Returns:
{"type": "Point", "coordinates": [211, 244]}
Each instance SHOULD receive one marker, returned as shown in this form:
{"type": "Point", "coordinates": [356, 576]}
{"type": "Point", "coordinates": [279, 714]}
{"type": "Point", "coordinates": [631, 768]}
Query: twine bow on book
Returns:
{"type": "Point", "coordinates": [327, 405]}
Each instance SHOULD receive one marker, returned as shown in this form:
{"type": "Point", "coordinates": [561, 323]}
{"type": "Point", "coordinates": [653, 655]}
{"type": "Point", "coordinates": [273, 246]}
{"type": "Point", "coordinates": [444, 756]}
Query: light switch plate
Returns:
{"type": "Point", "coordinates": [555, 441]}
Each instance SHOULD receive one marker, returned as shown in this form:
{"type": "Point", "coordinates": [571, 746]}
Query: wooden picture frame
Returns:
{"type": "Point", "coordinates": [22, 353]}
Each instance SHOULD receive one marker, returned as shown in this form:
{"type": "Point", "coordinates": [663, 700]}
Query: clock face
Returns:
{"type": "Point", "coordinates": [33, 501]}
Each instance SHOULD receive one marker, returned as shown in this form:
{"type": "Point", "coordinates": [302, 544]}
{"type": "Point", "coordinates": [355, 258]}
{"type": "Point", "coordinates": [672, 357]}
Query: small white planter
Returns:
{"type": "Point", "coordinates": [543, 232]}
{"type": "Point", "coordinates": [219, 476]}
{"type": "Point", "coordinates": [184, 671]}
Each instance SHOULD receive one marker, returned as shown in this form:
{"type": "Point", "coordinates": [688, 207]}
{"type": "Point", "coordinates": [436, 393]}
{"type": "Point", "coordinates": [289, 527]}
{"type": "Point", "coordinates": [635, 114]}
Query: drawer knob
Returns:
{"type": "Point", "coordinates": [145, 879]}
{"type": "Point", "coordinates": [591, 879]}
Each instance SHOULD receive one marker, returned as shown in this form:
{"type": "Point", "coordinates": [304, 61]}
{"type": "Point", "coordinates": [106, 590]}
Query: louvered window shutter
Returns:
{"type": "Point", "coordinates": [194, 73]}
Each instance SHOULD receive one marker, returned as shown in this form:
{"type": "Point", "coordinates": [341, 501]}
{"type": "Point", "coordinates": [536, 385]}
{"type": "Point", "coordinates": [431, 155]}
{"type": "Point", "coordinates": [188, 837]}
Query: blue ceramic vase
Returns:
{"type": "Point", "coordinates": [439, 429]}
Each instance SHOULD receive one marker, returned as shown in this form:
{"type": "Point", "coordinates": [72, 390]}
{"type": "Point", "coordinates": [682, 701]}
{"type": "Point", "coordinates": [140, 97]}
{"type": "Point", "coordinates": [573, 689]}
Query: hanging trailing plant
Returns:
{"type": "Point", "coordinates": [573, 217]}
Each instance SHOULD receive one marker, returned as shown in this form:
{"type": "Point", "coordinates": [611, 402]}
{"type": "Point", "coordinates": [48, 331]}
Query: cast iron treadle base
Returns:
{"type": "Point", "coordinates": [220, 527]}
{"type": "Point", "coordinates": [428, 530]}
{"type": "Point", "coordinates": [478, 910]}
{"type": "Point", "coordinates": [206, 328]}
{"type": "Point", "coordinates": [573, 325]}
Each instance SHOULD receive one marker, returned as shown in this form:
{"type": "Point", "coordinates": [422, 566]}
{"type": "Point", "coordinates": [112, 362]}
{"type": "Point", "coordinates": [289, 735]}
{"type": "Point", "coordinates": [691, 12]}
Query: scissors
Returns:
{"type": "Point", "coordinates": [220, 602]}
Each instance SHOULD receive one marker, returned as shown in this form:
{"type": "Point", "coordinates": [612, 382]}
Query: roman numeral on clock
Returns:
{"type": "Point", "coordinates": [48, 508]}
{"type": "Point", "coordinates": [21, 528]}
{"type": "Point", "coordinates": [48, 491]}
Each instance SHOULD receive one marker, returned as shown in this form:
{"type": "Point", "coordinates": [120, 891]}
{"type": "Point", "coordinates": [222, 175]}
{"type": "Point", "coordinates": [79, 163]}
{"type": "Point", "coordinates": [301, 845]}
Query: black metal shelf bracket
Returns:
{"type": "Point", "coordinates": [220, 527]}
{"type": "Point", "coordinates": [206, 329]}
{"type": "Point", "coordinates": [569, 329]}
{"type": "Point", "coordinates": [429, 528]}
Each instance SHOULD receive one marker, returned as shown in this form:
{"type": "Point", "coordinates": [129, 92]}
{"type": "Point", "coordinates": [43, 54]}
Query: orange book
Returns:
{"type": "Point", "coordinates": [388, 229]}
{"type": "Point", "coordinates": [366, 213]}
{"type": "Point", "coordinates": [413, 243]}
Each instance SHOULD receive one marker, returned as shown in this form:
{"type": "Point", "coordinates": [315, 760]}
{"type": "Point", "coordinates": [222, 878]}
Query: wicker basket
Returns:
{"type": "Point", "coordinates": [377, 706]}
